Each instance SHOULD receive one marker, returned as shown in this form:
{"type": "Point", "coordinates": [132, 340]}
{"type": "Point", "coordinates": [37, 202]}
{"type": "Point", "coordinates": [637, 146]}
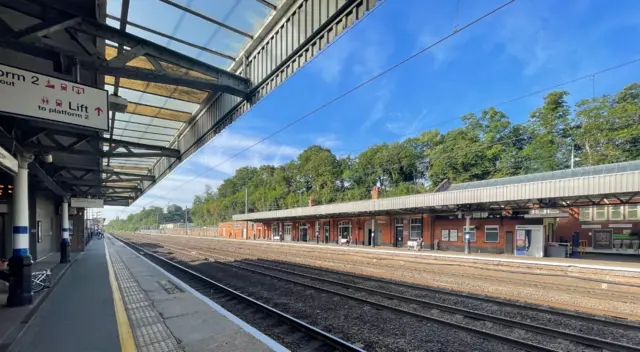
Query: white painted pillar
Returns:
{"type": "Point", "coordinates": [64, 241]}
{"type": "Point", "coordinates": [21, 209]}
{"type": "Point", "coordinates": [65, 221]}
{"type": "Point", "coordinates": [373, 232]}
{"type": "Point", "coordinates": [20, 261]}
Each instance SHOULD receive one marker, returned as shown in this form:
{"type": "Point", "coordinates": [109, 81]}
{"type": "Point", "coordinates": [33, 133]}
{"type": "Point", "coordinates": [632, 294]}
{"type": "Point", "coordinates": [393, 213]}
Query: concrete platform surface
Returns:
{"type": "Point", "coordinates": [78, 314]}
{"type": "Point", "coordinates": [14, 319]}
{"type": "Point", "coordinates": [171, 320]}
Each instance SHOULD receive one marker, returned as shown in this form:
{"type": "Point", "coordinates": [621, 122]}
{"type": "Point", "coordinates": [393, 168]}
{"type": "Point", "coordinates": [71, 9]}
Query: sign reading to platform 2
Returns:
{"type": "Point", "coordinates": [38, 96]}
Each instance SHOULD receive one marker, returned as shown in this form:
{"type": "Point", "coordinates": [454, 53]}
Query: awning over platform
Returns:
{"type": "Point", "coordinates": [597, 184]}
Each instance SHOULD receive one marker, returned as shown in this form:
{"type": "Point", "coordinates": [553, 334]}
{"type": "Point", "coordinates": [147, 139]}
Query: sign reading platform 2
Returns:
{"type": "Point", "coordinates": [38, 96]}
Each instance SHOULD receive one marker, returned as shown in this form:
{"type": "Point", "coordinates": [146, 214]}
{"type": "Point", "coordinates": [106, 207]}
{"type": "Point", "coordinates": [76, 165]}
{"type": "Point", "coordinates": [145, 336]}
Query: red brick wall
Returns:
{"type": "Point", "coordinates": [567, 226]}
{"type": "Point", "coordinates": [480, 244]}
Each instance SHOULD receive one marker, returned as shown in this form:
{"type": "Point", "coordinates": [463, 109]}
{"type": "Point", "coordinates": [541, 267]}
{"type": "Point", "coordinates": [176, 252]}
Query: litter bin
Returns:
{"type": "Point", "coordinates": [436, 245]}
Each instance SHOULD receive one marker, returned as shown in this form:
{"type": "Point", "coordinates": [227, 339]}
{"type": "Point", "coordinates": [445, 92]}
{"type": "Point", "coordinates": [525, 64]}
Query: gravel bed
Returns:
{"type": "Point", "coordinates": [372, 328]}
{"type": "Point", "coordinates": [503, 330]}
{"type": "Point", "coordinates": [631, 335]}
{"type": "Point", "coordinates": [601, 302]}
{"type": "Point", "coordinates": [535, 277]}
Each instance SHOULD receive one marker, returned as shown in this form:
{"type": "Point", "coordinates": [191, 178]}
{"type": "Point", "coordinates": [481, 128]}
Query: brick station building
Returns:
{"type": "Point", "coordinates": [602, 203]}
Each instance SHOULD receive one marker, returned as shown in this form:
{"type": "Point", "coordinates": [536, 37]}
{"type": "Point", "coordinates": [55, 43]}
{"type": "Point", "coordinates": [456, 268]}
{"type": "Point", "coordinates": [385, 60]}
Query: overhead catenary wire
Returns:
{"type": "Point", "coordinates": [352, 90]}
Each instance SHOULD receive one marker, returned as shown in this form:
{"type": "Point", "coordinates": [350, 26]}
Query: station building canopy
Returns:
{"type": "Point", "coordinates": [566, 188]}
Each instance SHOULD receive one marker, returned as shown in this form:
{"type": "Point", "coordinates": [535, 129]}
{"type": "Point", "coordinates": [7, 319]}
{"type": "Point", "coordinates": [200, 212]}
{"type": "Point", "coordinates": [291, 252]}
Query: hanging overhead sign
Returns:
{"type": "Point", "coordinates": [38, 96]}
{"type": "Point", "coordinates": [87, 203]}
{"type": "Point", "coordinates": [7, 161]}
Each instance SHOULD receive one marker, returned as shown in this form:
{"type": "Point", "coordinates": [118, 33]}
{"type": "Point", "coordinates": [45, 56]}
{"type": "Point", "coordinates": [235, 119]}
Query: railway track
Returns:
{"type": "Point", "coordinates": [436, 310]}
{"type": "Point", "coordinates": [305, 336]}
{"type": "Point", "coordinates": [619, 297]}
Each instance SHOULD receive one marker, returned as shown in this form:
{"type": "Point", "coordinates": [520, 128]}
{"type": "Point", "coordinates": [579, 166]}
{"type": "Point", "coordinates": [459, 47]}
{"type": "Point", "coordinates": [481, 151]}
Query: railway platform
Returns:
{"type": "Point", "coordinates": [114, 299]}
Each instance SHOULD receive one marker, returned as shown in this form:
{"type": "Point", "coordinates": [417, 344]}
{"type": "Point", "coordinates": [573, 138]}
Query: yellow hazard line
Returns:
{"type": "Point", "coordinates": [127, 343]}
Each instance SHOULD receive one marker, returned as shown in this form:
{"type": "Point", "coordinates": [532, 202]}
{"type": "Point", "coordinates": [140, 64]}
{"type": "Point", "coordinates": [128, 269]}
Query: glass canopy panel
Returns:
{"type": "Point", "coordinates": [244, 17]}
{"type": "Point", "coordinates": [155, 100]}
{"type": "Point", "coordinates": [122, 125]}
{"type": "Point", "coordinates": [157, 112]}
{"type": "Point", "coordinates": [146, 120]}
{"type": "Point", "coordinates": [150, 142]}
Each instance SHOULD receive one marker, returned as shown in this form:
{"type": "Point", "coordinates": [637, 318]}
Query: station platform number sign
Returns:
{"type": "Point", "coordinates": [34, 95]}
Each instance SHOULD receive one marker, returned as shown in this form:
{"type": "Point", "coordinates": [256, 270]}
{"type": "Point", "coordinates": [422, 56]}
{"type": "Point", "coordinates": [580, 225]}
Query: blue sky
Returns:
{"type": "Point", "coordinates": [528, 46]}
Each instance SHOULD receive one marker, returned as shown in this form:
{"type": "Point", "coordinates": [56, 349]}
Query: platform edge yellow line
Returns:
{"type": "Point", "coordinates": [127, 343]}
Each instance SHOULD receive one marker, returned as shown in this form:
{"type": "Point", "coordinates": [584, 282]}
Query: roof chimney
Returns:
{"type": "Point", "coordinates": [374, 192]}
{"type": "Point", "coordinates": [312, 201]}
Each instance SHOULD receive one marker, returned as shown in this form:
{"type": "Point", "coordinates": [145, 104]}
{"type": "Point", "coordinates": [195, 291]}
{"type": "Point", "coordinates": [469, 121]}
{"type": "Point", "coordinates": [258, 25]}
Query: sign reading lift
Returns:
{"type": "Point", "coordinates": [38, 96]}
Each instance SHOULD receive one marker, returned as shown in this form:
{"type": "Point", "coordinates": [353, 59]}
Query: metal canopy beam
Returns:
{"type": "Point", "coordinates": [116, 149]}
{"type": "Point", "coordinates": [223, 81]}
{"type": "Point", "coordinates": [267, 4]}
{"type": "Point", "coordinates": [34, 168]}
{"type": "Point", "coordinates": [43, 28]}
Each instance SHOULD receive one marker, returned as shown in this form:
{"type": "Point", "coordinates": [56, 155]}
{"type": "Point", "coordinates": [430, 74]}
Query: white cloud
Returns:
{"type": "Point", "coordinates": [332, 61]}
{"type": "Point", "coordinates": [220, 154]}
{"type": "Point", "coordinates": [328, 141]}
{"type": "Point", "coordinates": [382, 98]}
{"type": "Point", "coordinates": [173, 189]}
{"type": "Point", "coordinates": [405, 125]}
{"type": "Point", "coordinates": [192, 177]}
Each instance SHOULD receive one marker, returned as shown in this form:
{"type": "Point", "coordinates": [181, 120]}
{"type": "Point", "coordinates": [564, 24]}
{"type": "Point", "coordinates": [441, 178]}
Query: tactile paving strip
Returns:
{"type": "Point", "coordinates": [149, 330]}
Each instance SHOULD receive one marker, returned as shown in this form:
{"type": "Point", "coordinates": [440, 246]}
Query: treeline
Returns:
{"type": "Point", "coordinates": [600, 130]}
{"type": "Point", "coordinates": [150, 218]}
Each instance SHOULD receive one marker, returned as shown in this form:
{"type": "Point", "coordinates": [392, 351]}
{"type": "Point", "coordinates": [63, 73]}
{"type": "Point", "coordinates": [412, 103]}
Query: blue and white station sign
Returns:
{"type": "Point", "coordinates": [38, 96]}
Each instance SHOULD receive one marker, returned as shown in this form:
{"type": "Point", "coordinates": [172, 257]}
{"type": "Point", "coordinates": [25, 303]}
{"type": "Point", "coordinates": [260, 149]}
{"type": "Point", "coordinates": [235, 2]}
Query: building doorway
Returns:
{"type": "Point", "coordinates": [327, 233]}
{"type": "Point", "coordinates": [304, 232]}
{"type": "Point", "coordinates": [399, 238]}
{"type": "Point", "coordinates": [287, 232]}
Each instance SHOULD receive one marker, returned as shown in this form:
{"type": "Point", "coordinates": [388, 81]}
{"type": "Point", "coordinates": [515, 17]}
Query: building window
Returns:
{"type": "Point", "coordinates": [472, 233]}
{"type": "Point", "coordinates": [344, 229]}
{"type": "Point", "coordinates": [585, 214]}
{"type": "Point", "coordinates": [600, 213]}
{"type": "Point", "coordinates": [398, 221]}
{"type": "Point", "coordinates": [491, 234]}
{"type": "Point", "coordinates": [615, 212]}
{"type": "Point", "coordinates": [633, 212]}
{"type": "Point", "coordinates": [416, 229]}
{"type": "Point", "coordinates": [274, 230]}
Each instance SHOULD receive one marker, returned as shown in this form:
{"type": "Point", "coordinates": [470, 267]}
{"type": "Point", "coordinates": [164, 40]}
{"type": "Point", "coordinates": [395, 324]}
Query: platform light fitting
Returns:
{"type": "Point", "coordinates": [117, 104]}
{"type": "Point", "coordinates": [47, 158]}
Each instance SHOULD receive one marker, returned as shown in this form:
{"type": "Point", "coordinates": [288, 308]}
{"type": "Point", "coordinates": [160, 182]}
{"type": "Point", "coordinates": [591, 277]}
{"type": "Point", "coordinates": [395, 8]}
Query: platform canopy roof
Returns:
{"type": "Point", "coordinates": [211, 33]}
{"type": "Point", "coordinates": [581, 186]}
{"type": "Point", "coordinates": [168, 58]}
